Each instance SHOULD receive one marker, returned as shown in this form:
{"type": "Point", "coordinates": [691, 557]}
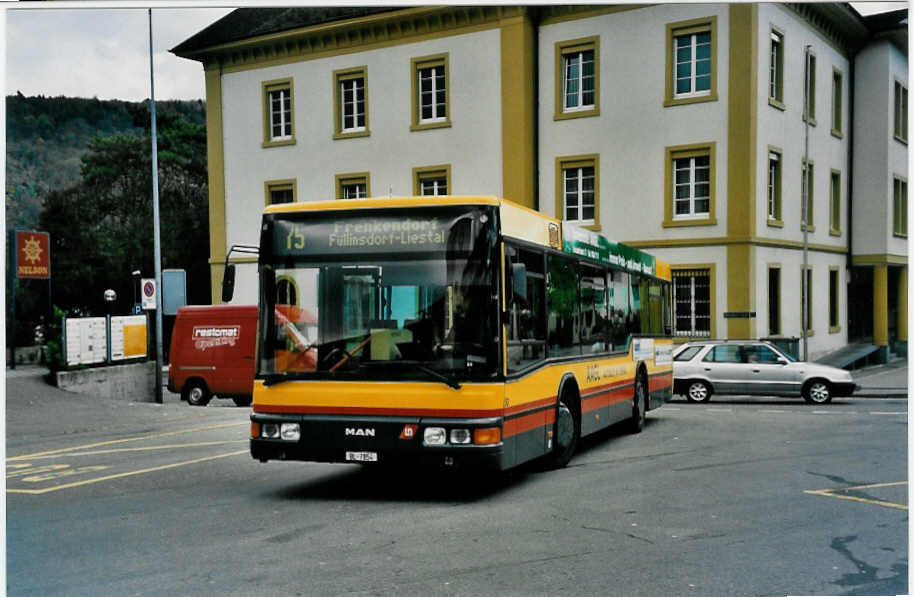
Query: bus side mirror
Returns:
{"type": "Point", "coordinates": [519, 281]}
{"type": "Point", "coordinates": [228, 283]}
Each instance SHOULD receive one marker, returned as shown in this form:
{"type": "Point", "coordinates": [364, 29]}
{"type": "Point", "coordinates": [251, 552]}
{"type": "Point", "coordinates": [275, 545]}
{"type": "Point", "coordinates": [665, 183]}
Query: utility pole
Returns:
{"type": "Point", "coordinates": [155, 217]}
{"type": "Point", "coordinates": [805, 274]}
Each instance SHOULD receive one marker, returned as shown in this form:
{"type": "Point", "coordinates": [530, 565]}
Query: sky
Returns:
{"type": "Point", "coordinates": [110, 48]}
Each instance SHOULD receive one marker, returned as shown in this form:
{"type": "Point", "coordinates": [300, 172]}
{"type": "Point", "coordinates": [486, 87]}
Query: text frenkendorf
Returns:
{"type": "Point", "coordinates": [386, 233]}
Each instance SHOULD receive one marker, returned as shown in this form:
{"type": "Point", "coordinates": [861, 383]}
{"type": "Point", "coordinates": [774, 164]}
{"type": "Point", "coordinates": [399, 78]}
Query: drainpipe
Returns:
{"type": "Point", "coordinates": [535, 21]}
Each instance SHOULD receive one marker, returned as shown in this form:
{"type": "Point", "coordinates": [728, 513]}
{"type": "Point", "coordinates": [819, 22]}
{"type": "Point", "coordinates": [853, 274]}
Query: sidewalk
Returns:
{"type": "Point", "coordinates": [883, 381]}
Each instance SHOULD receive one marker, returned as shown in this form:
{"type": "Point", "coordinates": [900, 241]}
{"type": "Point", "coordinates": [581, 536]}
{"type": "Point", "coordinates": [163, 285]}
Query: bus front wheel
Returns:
{"type": "Point", "coordinates": [566, 432]}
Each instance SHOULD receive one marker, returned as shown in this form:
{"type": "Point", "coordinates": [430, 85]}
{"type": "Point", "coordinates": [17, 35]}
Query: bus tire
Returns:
{"type": "Point", "coordinates": [566, 431]}
{"type": "Point", "coordinates": [243, 400]}
{"type": "Point", "coordinates": [195, 393]}
{"type": "Point", "coordinates": [639, 405]}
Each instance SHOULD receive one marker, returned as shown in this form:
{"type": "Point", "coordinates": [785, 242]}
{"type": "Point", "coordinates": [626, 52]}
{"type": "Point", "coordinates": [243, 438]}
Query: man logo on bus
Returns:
{"type": "Point", "coordinates": [409, 432]}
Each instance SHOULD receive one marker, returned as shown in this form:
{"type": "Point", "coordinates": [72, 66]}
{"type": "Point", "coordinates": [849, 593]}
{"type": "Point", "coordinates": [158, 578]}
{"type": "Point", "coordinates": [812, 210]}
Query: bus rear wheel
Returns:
{"type": "Point", "coordinates": [639, 408]}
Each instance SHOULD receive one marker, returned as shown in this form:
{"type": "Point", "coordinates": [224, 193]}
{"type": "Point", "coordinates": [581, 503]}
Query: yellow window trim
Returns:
{"type": "Point", "coordinates": [777, 266]}
{"type": "Point", "coordinates": [284, 184]}
{"type": "Point", "coordinates": [426, 62]}
{"type": "Point", "coordinates": [425, 172]}
{"type": "Point", "coordinates": [834, 329]}
{"type": "Point", "coordinates": [778, 99]}
{"type": "Point", "coordinates": [687, 151]}
{"type": "Point", "coordinates": [778, 221]}
{"type": "Point", "coordinates": [808, 171]}
{"type": "Point", "coordinates": [568, 47]}
{"type": "Point", "coordinates": [712, 271]}
{"type": "Point", "coordinates": [578, 161]}
{"type": "Point", "coordinates": [340, 180]}
{"type": "Point", "coordinates": [685, 28]}
{"type": "Point", "coordinates": [834, 215]}
{"type": "Point", "coordinates": [837, 107]}
{"type": "Point", "coordinates": [266, 88]}
{"type": "Point", "coordinates": [339, 76]}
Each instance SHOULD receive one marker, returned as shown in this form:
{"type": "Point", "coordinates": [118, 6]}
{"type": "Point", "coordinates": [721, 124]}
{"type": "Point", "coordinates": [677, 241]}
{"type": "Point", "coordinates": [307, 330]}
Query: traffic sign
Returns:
{"type": "Point", "coordinates": [149, 293]}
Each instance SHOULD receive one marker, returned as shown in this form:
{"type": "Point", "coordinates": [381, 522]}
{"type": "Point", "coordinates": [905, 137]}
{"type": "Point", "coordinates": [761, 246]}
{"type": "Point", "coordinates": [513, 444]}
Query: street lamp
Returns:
{"type": "Point", "coordinates": [136, 282]}
{"type": "Point", "coordinates": [110, 297]}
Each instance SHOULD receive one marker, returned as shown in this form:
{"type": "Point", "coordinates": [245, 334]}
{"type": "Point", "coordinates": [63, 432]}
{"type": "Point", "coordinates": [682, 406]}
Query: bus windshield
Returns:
{"type": "Point", "coordinates": [407, 294]}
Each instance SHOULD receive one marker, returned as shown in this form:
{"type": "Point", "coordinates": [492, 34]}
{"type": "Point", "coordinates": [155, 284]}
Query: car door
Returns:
{"type": "Point", "coordinates": [725, 370]}
{"type": "Point", "coordinates": [767, 372]}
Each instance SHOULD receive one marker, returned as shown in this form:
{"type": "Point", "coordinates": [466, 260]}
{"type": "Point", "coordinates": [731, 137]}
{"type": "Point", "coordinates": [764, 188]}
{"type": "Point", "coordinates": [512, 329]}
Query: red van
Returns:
{"type": "Point", "coordinates": [212, 353]}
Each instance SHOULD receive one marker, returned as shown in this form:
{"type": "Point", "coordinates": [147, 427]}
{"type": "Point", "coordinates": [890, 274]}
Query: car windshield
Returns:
{"type": "Point", "coordinates": [379, 297]}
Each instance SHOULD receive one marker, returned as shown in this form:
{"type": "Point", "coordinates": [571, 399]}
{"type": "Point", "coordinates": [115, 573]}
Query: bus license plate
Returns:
{"type": "Point", "coordinates": [362, 456]}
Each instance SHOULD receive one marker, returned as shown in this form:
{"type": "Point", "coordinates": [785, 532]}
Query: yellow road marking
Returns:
{"type": "Point", "coordinates": [125, 440]}
{"type": "Point", "coordinates": [143, 449]}
{"type": "Point", "coordinates": [127, 474]}
{"type": "Point", "coordinates": [835, 493]}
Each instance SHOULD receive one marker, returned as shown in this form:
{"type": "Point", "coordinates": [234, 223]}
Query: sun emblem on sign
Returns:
{"type": "Point", "coordinates": [32, 250]}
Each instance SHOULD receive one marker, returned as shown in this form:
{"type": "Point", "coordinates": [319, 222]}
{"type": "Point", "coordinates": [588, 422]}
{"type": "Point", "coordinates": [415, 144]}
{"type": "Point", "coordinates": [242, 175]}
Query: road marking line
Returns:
{"type": "Point", "coordinates": [122, 475]}
{"type": "Point", "coordinates": [781, 411]}
{"type": "Point", "coordinates": [125, 440]}
{"type": "Point", "coordinates": [143, 449]}
{"type": "Point", "coordinates": [879, 412]}
{"type": "Point", "coordinates": [834, 493]}
{"type": "Point", "coordinates": [835, 412]}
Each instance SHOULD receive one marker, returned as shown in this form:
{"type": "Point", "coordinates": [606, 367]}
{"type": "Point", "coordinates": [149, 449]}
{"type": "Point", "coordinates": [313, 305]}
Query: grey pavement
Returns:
{"type": "Point", "coordinates": [883, 381]}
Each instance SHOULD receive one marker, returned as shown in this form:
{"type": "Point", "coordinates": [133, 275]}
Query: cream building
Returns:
{"type": "Point", "coordinates": [677, 128]}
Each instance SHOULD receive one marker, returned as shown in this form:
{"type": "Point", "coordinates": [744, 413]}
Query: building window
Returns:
{"type": "Point", "coordinates": [431, 92]}
{"type": "Point", "coordinates": [577, 78]}
{"type": "Point", "coordinates": [776, 70]}
{"type": "Point", "coordinates": [774, 301]}
{"type": "Point", "coordinates": [692, 302]}
{"type": "Point", "coordinates": [353, 186]}
{"type": "Point", "coordinates": [900, 207]}
{"type": "Point", "coordinates": [350, 106]}
{"type": "Point", "coordinates": [809, 310]}
{"type": "Point", "coordinates": [837, 98]}
{"type": "Point", "coordinates": [278, 107]}
{"type": "Point", "coordinates": [689, 183]}
{"type": "Point", "coordinates": [691, 61]}
{"type": "Point", "coordinates": [578, 190]}
{"type": "Point", "coordinates": [280, 191]}
{"type": "Point", "coordinates": [432, 181]}
{"type": "Point", "coordinates": [810, 107]}
{"type": "Point", "coordinates": [774, 188]}
{"type": "Point", "coordinates": [833, 297]}
{"type": "Point", "coordinates": [834, 220]}
{"type": "Point", "coordinates": [901, 112]}
{"type": "Point", "coordinates": [807, 179]}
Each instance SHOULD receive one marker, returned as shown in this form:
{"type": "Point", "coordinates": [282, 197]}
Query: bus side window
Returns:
{"type": "Point", "coordinates": [618, 288]}
{"type": "Point", "coordinates": [594, 318]}
{"type": "Point", "coordinates": [633, 323]}
{"type": "Point", "coordinates": [564, 329]}
{"type": "Point", "coordinates": [526, 310]}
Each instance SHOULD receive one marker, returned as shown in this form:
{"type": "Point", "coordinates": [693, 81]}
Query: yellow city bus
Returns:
{"type": "Point", "coordinates": [453, 331]}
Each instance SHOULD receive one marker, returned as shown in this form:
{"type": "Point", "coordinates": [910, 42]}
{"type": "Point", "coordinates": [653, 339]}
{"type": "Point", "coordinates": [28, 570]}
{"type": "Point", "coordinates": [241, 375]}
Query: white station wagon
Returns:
{"type": "Point", "coordinates": [703, 368]}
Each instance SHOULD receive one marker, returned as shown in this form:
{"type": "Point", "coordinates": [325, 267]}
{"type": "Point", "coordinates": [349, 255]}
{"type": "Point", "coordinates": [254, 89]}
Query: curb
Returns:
{"type": "Point", "coordinates": [880, 393]}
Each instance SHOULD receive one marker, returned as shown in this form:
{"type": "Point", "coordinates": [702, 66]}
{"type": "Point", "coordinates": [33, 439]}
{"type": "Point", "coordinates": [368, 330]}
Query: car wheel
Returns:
{"type": "Point", "coordinates": [196, 393]}
{"type": "Point", "coordinates": [817, 392]}
{"type": "Point", "coordinates": [567, 431]}
{"type": "Point", "coordinates": [242, 400]}
{"type": "Point", "coordinates": [639, 408]}
{"type": "Point", "coordinates": [698, 391]}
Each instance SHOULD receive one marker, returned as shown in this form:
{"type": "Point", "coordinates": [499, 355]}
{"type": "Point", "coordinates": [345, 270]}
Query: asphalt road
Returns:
{"type": "Point", "coordinates": [739, 497]}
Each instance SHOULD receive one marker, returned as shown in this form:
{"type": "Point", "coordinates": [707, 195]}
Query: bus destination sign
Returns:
{"type": "Point", "coordinates": [362, 234]}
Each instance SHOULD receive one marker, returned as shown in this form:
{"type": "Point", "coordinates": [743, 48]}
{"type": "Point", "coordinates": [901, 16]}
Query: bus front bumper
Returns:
{"type": "Point", "coordinates": [470, 443]}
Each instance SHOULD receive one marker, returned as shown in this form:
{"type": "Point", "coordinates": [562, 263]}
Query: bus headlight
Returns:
{"type": "Point", "coordinates": [460, 436]}
{"type": "Point", "coordinates": [290, 432]}
{"type": "Point", "coordinates": [435, 436]}
{"type": "Point", "coordinates": [270, 430]}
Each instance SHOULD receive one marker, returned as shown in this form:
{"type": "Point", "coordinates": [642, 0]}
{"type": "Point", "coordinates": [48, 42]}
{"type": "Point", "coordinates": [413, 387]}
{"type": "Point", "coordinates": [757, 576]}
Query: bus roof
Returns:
{"type": "Point", "coordinates": [517, 222]}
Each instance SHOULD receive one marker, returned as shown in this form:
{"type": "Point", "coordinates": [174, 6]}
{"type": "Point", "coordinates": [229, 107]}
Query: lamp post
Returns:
{"type": "Point", "coordinates": [110, 297]}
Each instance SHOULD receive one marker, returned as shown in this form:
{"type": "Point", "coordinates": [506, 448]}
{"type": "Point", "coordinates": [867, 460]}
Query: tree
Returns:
{"type": "Point", "coordinates": [102, 228]}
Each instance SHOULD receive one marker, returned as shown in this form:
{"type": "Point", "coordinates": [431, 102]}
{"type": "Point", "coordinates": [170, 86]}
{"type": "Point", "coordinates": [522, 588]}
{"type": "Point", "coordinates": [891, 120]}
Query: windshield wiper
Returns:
{"type": "Point", "coordinates": [271, 379]}
{"type": "Point", "coordinates": [418, 365]}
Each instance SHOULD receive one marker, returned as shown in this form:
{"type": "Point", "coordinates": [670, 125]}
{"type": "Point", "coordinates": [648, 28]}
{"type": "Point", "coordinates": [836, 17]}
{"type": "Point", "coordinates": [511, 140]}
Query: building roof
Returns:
{"type": "Point", "coordinates": [245, 23]}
